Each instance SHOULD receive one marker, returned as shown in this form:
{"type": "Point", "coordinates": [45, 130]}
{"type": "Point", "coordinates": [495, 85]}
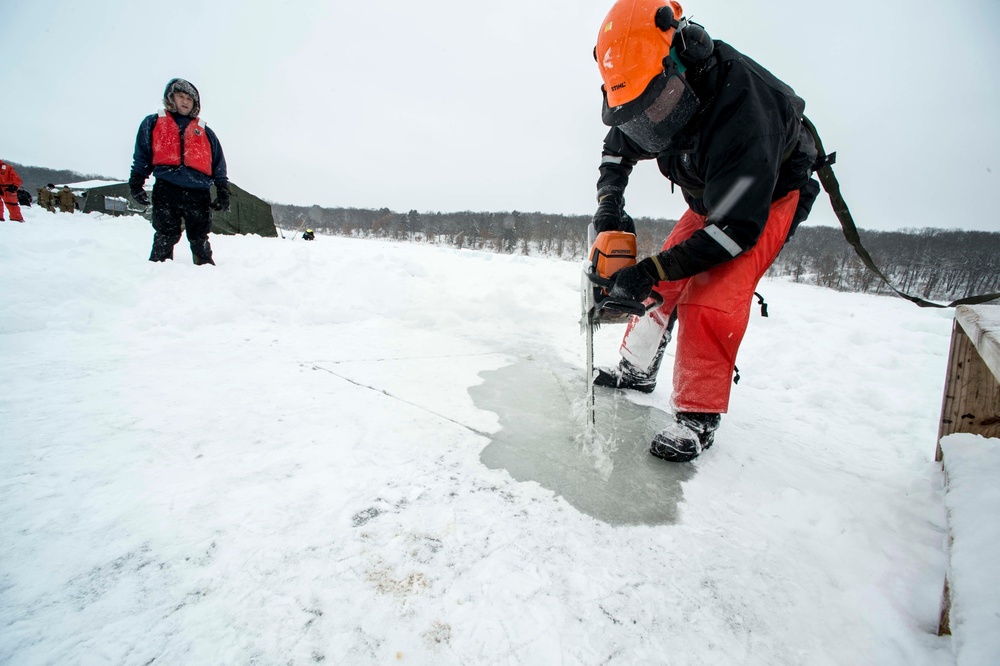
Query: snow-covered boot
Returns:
{"type": "Point", "coordinates": [628, 376]}
{"type": "Point", "coordinates": [685, 438]}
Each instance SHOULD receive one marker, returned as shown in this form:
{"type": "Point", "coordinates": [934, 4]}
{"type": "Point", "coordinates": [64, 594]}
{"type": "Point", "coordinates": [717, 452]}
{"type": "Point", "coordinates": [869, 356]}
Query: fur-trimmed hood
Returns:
{"type": "Point", "coordinates": [180, 85]}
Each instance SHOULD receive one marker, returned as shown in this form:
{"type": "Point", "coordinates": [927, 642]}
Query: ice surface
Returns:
{"type": "Point", "coordinates": [544, 437]}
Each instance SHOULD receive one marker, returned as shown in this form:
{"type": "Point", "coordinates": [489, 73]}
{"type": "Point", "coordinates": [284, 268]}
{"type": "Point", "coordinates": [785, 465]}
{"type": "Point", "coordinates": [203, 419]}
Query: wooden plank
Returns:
{"type": "Point", "coordinates": [982, 324]}
{"type": "Point", "coordinates": [944, 622]}
{"type": "Point", "coordinates": [971, 400]}
{"type": "Point", "coordinates": [957, 358]}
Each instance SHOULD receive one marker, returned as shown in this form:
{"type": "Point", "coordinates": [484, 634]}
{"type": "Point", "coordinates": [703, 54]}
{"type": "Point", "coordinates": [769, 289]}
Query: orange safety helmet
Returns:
{"type": "Point", "coordinates": [631, 48]}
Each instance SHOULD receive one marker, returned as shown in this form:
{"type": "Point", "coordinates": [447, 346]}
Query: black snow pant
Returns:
{"type": "Point", "coordinates": [173, 205]}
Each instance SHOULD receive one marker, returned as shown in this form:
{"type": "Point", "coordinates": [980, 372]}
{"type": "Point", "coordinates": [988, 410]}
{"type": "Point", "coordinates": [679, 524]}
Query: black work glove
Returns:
{"type": "Point", "coordinates": [135, 186]}
{"type": "Point", "coordinates": [11, 188]}
{"type": "Point", "coordinates": [634, 283]}
{"type": "Point", "coordinates": [221, 202]}
{"type": "Point", "coordinates": [611, 215]}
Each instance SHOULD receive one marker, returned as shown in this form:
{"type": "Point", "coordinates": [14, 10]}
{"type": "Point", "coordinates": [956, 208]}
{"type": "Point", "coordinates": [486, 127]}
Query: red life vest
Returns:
{"type": "Point", "coordinates": [167, 144]}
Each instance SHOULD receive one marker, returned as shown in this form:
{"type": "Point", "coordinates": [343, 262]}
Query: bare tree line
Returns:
{"type": "Point", "coordinates": [931, 263]}
{"type": "Point", "coordinates": [516, 232]}
{"type": "Point", "coordinates": [943, 264]}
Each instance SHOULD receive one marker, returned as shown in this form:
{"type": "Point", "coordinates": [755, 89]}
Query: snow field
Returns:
{"type": "Point", "coordinates": [277, 460]}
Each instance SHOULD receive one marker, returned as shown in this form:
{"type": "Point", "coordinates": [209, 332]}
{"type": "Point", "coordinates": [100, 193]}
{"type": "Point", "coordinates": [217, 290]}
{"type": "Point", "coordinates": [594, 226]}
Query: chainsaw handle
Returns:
{"type": "Point", "coordinates": [598, 280]}
{"type": "Point", "coordinates": [636, 308]}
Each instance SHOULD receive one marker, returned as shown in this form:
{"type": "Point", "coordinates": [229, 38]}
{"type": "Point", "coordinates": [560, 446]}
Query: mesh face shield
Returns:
{"type": "Point", "coordinates": [653, 118]}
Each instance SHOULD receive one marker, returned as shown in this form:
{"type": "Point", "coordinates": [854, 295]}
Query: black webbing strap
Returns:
{"type": "Point", "coordinates": [762, 303]}
{"type": "Point", "coordinates": [824, 170]}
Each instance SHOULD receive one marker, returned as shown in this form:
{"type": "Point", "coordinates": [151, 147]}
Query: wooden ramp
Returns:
{"type": "Point", "coordinates": [972, 391]}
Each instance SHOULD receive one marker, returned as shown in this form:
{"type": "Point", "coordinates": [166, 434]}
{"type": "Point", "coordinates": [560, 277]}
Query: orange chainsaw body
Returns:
{"type": "Point", "coordinates": [612, 251]}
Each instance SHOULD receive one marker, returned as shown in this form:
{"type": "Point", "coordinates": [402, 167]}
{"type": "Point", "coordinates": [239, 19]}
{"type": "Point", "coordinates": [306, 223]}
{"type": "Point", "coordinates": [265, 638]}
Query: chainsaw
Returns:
{"type": "Point", "coordinates": [610, 251]}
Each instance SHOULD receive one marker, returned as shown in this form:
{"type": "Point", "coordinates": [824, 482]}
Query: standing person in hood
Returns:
{"type": "Point", "coordinates": [730, 135]}
{"type": "Point", "coordinates": [9, 183]}
{"type": "Point", "coordinates": [186, 158]}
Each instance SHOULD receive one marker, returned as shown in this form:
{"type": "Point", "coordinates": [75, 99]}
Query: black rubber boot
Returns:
{"type": "Point", "coordinates": [627, 376]}
{"type": "Point", "coordinates": [685, 438]}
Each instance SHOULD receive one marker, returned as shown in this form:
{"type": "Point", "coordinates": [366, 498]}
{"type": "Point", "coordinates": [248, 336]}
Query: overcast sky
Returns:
{"type": "Point", "coordinates": [445, 105]}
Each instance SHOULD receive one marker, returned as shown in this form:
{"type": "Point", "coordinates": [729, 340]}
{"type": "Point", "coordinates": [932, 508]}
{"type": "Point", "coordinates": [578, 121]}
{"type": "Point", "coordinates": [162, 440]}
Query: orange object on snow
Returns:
{"type": "Point", "coordinates": [9, 178]}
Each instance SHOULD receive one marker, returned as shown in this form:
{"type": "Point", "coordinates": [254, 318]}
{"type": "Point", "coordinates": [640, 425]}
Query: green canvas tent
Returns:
{"type": "Point", "coordinates": [103, 196]}
{"type": "Point", "coordinates": [247, 215]}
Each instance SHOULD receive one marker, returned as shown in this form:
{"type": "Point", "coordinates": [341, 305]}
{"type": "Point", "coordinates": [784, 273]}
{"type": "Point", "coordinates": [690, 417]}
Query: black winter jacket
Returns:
{"type": "Point", "coordinates": [745, 148]}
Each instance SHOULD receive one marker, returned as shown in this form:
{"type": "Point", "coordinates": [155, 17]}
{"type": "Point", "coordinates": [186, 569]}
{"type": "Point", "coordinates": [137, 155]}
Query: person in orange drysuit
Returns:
{"type": "Point", "coordinates": [731, 136]}
{"type": "Point", "coordinates": [9, 183]}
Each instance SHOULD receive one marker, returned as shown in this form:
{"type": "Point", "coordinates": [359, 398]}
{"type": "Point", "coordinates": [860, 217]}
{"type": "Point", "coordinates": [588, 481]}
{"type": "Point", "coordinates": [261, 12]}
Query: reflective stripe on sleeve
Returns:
{"type": "Point", "coordinates": [611, 159]}
{"type": "Point", "coordinates": [720, 237]}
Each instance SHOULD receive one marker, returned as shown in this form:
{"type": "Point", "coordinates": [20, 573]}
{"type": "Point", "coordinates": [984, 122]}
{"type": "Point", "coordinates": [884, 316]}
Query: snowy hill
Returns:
{"type": "Point", "coordinates": [358, 452]}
